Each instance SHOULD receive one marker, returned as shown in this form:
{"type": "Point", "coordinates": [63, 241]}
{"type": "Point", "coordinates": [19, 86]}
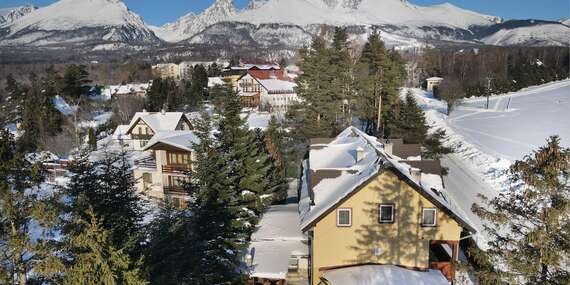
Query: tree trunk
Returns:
{"type": "Point", "coordinates": [379, 119]}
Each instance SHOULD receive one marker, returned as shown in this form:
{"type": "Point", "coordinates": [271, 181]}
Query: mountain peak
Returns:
{"type": "Point", "coordinates": [9, 15]}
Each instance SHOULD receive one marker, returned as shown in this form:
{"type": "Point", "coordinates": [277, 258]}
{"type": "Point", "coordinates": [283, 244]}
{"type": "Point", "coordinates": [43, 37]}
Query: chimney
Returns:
{"type": "Point", "coordinates": [359, 154]}
{"type": "Point", "coordinates": [416, 174]}
{"type": "Point", "coordinates": [388, 147]}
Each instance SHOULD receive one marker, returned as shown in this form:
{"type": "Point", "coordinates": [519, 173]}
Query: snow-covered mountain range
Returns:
{"type": "Point", "coordinates": [78, 22]}
{"type": "Point", "coordinates": [275, 24]}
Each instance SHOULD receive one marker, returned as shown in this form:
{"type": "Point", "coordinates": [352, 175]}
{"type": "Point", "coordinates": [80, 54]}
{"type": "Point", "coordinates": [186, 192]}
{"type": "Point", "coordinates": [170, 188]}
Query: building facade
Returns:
{"type": "Point", "coordinates": [361, 205]}
{"type": "Point", "coordinates": [161, 175]}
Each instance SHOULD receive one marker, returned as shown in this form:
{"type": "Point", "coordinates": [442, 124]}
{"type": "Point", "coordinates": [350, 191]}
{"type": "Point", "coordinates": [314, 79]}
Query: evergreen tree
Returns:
{"type": "Point", "coordinates": [433, 145]}
{"type": "Point", "coordinates": [199, 83]}
{"type": "Point", "coordinates": [343, 81]}
{"type": "Point", "coordinates": [163, 94]}
{"type": "Point", "coordinates": [319, 113]}
{"type": "Point", "coordinates": [379, 77]}
{"type": "Point", "coordinates": [411, 122]}
{"type": "Point", "coordinates": [23, 214]}
{"type": "Point", "coordinates": [92, 139]}
{"type": "Point", "coordinates": [94, 259]}
{"type": "Point", "coordinates": [75, 78]}
{"type": "Point", "coordinates": [107, 186]}
{"type": "Point", "coordinates": [529, 225]}
{"type": "Point", "coordinates": [218, 231]}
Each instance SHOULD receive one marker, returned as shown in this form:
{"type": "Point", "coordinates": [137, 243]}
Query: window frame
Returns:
{"type": "Point", "coordinates": [393, 206]}
{"type": "Point", "coordinates": [338, 224]}
{"type": "Point", "coordinates": [424, 209]}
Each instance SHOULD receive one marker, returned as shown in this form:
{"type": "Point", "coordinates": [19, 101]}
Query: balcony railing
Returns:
{"type": "Point", "coordinates": [147, 162]}
{"type": "Point", "coordinates": [141, 137]}
{"type": "Point", "coordinates": [175, 190]}
{"type": "Point", "coordinates": [184, 168]}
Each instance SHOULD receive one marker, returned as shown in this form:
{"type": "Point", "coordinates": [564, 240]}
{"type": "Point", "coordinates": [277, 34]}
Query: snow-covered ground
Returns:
{"type": "Point", "coordinates": [516, 123]}
{"type": "Point", "coordinates": [486, 142]}
{"type": "Point", "coordinates": [489, 141]}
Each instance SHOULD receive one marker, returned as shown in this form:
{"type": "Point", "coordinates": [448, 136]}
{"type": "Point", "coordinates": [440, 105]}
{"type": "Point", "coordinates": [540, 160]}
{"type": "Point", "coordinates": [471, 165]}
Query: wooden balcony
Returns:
{"type": "Point", "coordinates": [147, 162]}
{"type": "Point", "coordinates": [180, 169]}
{"type": "Point", "coordinates": [174, 190]}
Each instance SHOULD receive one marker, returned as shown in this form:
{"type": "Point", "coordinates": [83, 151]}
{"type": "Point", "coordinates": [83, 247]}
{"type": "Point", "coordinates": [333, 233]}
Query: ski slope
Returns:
{"type": "Point", "coordinates": [516, 123]}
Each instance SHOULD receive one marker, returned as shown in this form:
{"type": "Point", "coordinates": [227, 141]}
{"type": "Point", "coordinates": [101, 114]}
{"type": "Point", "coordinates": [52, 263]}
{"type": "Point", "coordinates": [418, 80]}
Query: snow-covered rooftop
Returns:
{"type": "Point", "coordinates": [383, 274]}
{"type": "Point", "coordinates": [180, 139]}
{"type": "Point", "coordinates": [276, 85]}
{"type": "Point", "coordinates": [340, 156]}
{"type": "Point", "coordinates": [434, 79]}
{"type": "Point", "coordinates": [215, 81]}
{"type": "Point", "coordinates": [167, 121]}
{"type": "Point", "coordinates": [277, 238]}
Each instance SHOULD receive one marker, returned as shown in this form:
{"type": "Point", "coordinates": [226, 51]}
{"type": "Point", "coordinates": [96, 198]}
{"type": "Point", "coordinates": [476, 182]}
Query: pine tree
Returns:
{"type": "Point", "coordinates": [23, 212]}
{"type": "Point", "coordinates": [379, 77]}
{"type": "Point", "coordinates": [529, 225]}
{"type": "Point", "coordinates": [94, 259]}
{"type": "Point", "coordinates": [319, 113]}
{"type": "Point", "coordinates": [75, 78]}
{"type": "Point", "coordinates": [218, 232]}
{"type": "Point", "coordinates": [92, 141]}
{"type": "Point", "coordinates": [107, 186]}
{"type": "Point", "coordinates": [343, 81]}
{"type": "Point", "coordinates": [411, 123]}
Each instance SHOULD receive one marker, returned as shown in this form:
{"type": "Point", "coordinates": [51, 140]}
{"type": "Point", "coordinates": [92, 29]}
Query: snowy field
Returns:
{"type": "Point", "coordinates": [516, 123]}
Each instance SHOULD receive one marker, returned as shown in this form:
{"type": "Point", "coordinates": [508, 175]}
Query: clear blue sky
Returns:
{"type": "Point", "coordinates": [158, 12]}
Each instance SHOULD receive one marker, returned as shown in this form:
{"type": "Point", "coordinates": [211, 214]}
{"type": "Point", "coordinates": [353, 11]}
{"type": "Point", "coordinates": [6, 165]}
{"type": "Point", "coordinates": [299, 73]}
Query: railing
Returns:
{"type": "Point", "coordinates": [177, 168]}
{"type": "Point", "coordinates": [147, 162]}
{"type": "Point", "coordinates": [446, 269]}
{"type": "Point", "coordinates": [175, 190]}
{"type": "Point", "coordinates": [141, 137]}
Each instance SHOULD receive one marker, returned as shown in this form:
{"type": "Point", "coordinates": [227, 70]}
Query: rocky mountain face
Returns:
{"type": "Point", "coordinates": [9, 15]}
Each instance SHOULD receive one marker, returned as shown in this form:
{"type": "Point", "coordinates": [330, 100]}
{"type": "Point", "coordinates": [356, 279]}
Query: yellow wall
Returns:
{"type": "Point", "coordinates": [405, 242]}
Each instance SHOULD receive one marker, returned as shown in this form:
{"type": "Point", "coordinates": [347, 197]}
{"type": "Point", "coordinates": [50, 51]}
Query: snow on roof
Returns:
{"type": "Point", "coordinates": [384, 275]}
{"type": "Point", "coordinates": [273, 85]}
{"type": "Point", "coordinates": [257, 120]}
{"type": "Point", "coordinates": [180, 139]}
{"type": "Point", "coordinates": [120, 133]}
{"type": "Point", "coordinates": [277, 238]}
{"type": "Point", "coordinates": [215, 81]}
{"type": "Point", "coordinates": [339, 155]}
{"type": "Point", "coordinates": [158, 122]}
{"type": "Point", "coordinates": [435, 79]}
{"type": "Point", "coordinates": [280, 222]}
{"type": "Point", "coordinates": [129, 88]}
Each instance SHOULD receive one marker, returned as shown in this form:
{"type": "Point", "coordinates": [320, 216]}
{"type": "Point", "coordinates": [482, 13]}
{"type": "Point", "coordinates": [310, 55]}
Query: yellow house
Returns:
{"type": "Point", "coordinates": [362, 207]}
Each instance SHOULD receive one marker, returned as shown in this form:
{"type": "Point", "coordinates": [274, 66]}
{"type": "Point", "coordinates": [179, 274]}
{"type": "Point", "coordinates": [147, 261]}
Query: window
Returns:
{"type": "Point", "coordinates": [386, 213]}
{"type": "Point", "coordinates": [429, 217]}
{"type": "Point", "coordinates": [143, 143]}
{"type": "Point", "coordinates": [147, 178]}
{"type": "Point", "coordinates": [178, 158]}
{"type": "Point", "coordinates": [344, 217]}
{"type": "Point", "coordinates": [177, 181]}
{"type": "Point", "coordinates": [140, 131]}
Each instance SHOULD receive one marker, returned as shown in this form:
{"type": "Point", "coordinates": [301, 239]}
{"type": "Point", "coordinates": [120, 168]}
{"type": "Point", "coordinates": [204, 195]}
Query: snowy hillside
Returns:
{"type": "Point", "coordinates": [538, 35]}
{"type": "Point", "coordinates": [9, 15]}
{"type": "Point", "coordinates": [566, 22]}
{"type": "Point", "coordinates": [78, 21]}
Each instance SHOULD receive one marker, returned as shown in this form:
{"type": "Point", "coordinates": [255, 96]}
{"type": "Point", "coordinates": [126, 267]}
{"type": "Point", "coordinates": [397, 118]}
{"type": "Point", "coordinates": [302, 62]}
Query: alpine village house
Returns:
{"type": "Point", "coordinates": [376, 210]}
{"type": "Point", "coordinates": [163, 142]}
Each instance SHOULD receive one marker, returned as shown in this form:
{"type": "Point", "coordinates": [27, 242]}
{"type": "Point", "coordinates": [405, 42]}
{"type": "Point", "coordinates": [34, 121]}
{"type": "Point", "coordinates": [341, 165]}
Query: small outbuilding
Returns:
{"type": "Point", "coordinates": [432, 83]}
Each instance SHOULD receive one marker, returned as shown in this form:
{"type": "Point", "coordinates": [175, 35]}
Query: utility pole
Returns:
{"type": "Point", "coordinates": [489, 80]}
